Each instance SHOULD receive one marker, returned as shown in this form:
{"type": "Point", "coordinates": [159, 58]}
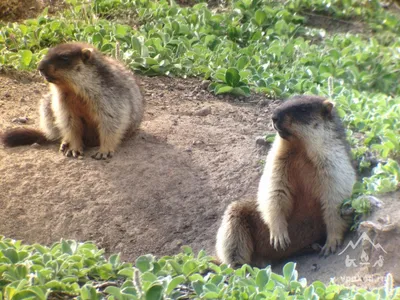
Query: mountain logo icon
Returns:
{"type": "Point", "coordinates": [364, 237]}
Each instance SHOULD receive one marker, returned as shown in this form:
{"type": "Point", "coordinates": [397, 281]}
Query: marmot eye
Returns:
{"type": "Point", "coordinates": [63, 57]}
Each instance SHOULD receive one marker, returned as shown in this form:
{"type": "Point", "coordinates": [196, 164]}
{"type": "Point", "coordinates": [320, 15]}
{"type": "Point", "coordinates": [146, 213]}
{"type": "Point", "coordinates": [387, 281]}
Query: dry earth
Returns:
{"type": "Point", "coordinates": [166, 187]}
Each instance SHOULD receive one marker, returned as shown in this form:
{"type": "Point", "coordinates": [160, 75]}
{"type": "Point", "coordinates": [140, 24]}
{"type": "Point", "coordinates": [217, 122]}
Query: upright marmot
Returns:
{"type": "Point", "coordinates": [307, 175]}
{"type": "Point", "coordinates": [93, 100]}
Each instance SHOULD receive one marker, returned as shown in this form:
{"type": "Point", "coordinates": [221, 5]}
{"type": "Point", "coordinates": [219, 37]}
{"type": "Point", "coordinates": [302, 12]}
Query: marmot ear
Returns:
{"type": "Point", "coordinates": [86, 54]}
{"type": "Point", "coordinates": [328, 106]}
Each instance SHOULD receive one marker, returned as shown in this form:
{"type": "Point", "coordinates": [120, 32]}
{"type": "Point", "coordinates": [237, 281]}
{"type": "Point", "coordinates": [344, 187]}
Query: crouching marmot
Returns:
{"type": "Point", "coordinates": [308, 174]}
{"type": "Point", "coordinates": [93, 100]}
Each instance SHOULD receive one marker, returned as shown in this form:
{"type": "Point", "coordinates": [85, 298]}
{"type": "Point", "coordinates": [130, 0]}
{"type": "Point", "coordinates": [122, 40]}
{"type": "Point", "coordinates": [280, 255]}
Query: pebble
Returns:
{"type": "Point", "coordinates": [198, 142]}
{"type": "Point", "coordinates": [202, 112]}
{"type": "Point", "coordinates": [262, 103]}
{"type": "Point", "coordinates": [180, 87]}
{"type": "Point", "coordinates": [314, 267]}
{"type": "Point", "coordinates": [204, 84]}
{"type": "Point", "coordinates": [260, 140]}
{"type": "Point", "coordinates": [22, 120]}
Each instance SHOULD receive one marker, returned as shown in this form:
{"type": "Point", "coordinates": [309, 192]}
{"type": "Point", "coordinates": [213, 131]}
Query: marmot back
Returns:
{"type": "Point", "coordinates": [307, 175]}
{"type": "Point", "coordinates": [93, 100]}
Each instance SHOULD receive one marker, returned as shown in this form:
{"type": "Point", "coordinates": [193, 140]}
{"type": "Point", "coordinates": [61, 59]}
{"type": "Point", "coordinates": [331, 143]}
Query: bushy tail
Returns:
{"type": "Point", "coordinates": [22, 136]}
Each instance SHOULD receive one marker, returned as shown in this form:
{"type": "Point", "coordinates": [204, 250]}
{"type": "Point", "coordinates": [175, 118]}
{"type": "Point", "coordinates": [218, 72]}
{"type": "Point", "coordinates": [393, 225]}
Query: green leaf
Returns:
{"type": "Point", "coordinates": [174, 283]}
{"type": "Point", "coordinates": [127, 272]}
{"type": "Point", "coordinates": [155, 292]}
{"type": "Point", "coordinates": [281, 27]}
{"type": "Point", "coordinates": [144, 263]}
{"type": "Point", "coordinates": [260, 17]}
{"type": "Point", "coordinates": [55, 25]}
{"type": "Point", "coordinates": [224, 89]}
{"type": "Point", "coordinates": [232, 77]}
{"type": "Point", "coordinates": [66, 248]}
{"type": "Point", "coordinates": [210, 295]}
{"type": "Point", "coordinates": [241, 91]}
{"type": "Point", "coordinates": [136, 45]}
{"type": "Point", "coordinates": [97, 38]}
{"type": "Point", "coordinates": [114, 291]}
{"type": "Point", "coordinates": [11, 254]}
{"type": "Point", "coordinates": [262, 278]}
{"type": "Point", "coordinates": [121, 30]}
{"type": "Point", "coordinates": [242, 63]}
{"type": "Point", "coordinates": [198, 286]}
{"type": "Point", "coordinates": [25, 57]}
{"type": "Point", "coordinates": [189, 267]}
{"type": "Point", "coordinates": [176, 266]}
{"type": "Point", "coordinates": [289, 271]}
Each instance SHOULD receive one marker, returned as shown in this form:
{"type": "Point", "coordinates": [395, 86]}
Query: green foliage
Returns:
{"type": "Point", "coordinates": [251, 45]}
{"type": "Point", "coordinates": [69, 269]}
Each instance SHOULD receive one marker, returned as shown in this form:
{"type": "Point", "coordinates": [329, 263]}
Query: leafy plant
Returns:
{"type": "Point", "coordinates": [249, 46]}
{"type": "Point", "coordinates": [69, 269]}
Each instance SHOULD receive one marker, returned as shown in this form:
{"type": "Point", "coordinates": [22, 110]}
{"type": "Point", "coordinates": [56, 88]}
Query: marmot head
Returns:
{"type": "Point", "coordinates": [305, 118]}
{"type": "Point", "coordinates": [64, 62]}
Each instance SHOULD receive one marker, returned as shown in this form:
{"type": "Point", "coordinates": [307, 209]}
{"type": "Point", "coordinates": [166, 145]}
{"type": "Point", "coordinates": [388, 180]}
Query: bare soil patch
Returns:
{"type": "Point", "coordinates": [165, 187]}
{"type": "Point", "coordinates": [18, 10]}
{"type": "Point", "coordinates": [335, 25]}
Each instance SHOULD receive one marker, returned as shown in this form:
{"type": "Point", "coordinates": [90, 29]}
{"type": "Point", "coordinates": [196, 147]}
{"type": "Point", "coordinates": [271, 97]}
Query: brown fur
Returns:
{"type": "Point", "coordinates": [93, 100]}
{"type": "Point", "coordinates": [247, 229]}
{"type": "Point", "coordinates": [308, 174]}
{"type": "Point", "coordinates": [22, 136]}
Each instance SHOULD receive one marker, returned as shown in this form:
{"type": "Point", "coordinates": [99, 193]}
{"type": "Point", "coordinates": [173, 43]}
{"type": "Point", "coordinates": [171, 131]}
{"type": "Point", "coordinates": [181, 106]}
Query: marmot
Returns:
{"type": "Point", "coordinates": [93, 100]}
{"type": "Point", "coordinates": [307, 175]}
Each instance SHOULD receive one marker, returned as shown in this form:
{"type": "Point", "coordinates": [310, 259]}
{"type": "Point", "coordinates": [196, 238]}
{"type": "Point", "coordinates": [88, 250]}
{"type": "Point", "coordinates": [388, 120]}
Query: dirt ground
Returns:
{"type": "Point", "coordinates": [165, 187]}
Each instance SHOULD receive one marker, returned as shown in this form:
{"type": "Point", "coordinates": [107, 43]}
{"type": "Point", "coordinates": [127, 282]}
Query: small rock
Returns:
{"type": "Point", "coordinates": [204, 84]}
{"type": "Point", "coordinates": [22, 120]}
{"type": "Point", "coordinates": [178, 243]}
{"type": "Point", "coordinates": [202, 112]}
{"type": "Point", "coordinates": [262, 103]}
{"type": "Point", "coordinates": [314, 267]}
{"type": "Point", "coordinates": [22, 99]}
{"type": "Point", "coordinates": [198, 142]}
{"type": "Point", "coordinates": [35, 145]}
{"type": "Point", "coordinates": [7, 95]}
{"type": "Point", "coordinates": [188, 150]}
{"type": "Point", "coordinates": [180, 87]}
{"type": "Point", "coordinates": [260, 140]}
{"type": "Point", "coordinates": [316, 247]}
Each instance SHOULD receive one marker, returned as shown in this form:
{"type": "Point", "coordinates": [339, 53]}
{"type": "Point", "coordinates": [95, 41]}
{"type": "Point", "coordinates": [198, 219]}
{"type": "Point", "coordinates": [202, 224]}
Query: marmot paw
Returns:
{"type": "Point", "coordinates": [65, 149]}
{"type": "Point", "coordinates": [102, 155]}
{"type": "Point", "coordinates": [331, 246]}
{"type": "Point", "coordinates": [282, 240]}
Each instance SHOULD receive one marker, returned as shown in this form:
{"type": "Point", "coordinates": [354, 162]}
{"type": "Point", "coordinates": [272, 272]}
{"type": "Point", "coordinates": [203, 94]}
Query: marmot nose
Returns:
{"type": "Point", "coordinates": [42, 66]}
